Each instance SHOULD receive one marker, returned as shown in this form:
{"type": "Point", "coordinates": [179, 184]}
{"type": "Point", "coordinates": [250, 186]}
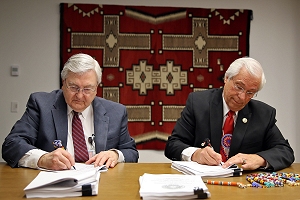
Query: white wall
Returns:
{"type": "Point", "coordinates": [29, 37]}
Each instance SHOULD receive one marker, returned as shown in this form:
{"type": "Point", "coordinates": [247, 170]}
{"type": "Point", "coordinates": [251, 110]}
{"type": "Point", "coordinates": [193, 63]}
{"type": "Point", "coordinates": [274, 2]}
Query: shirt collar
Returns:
{"type": "Point", "coordinates": [225, 108]}
{"type": "Point", "coordinates": [84, 113]}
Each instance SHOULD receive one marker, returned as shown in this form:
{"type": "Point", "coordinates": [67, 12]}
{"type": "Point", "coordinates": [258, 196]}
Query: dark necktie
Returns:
{"type": "Point", "coordinates": [80, 149]}
{"type": "Point", "coordinates": [227, 134]}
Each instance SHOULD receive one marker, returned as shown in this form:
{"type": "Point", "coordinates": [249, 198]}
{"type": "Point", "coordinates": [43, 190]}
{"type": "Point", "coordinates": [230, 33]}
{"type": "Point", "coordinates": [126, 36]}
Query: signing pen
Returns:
{"type": "Point", "coordinates": [58, 144]}
{"type": "Point", "coordinates": [206, 143]}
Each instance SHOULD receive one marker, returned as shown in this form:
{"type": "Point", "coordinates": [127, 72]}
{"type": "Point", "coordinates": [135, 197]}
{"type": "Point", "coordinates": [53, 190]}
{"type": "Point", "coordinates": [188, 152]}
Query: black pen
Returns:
{"type": "Point", "coordinates": [206, 143]}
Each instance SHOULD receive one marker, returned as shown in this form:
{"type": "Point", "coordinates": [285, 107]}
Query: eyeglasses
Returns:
{"type": "Point", "coordinates": [239, 89]}
{"type": "Point", "coordinates": [77, 89]}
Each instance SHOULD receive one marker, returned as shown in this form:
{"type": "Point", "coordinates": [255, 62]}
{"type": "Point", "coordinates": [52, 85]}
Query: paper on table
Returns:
{"type": "Point", "coordinates": [194, 168]}
{"type": "Point", "coordinates": [170, 186]}
{"type": "Point", "coordinates": [82, 167]}
{"type": "Point", "coordinates": [78, 166]}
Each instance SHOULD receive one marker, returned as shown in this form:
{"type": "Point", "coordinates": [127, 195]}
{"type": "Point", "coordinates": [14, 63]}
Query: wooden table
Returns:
{"type": "Point", "coordinates": [122, 183]}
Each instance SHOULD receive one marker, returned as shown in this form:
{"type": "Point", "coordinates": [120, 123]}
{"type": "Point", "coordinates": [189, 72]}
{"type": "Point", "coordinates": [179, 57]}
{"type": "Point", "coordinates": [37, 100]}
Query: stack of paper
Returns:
{"type": "Point", "coordinates": [193, 168]}
{"type": "Point", "coordinates": [172, 186]}
{"type": "Point", "coordinates": [83, 181]}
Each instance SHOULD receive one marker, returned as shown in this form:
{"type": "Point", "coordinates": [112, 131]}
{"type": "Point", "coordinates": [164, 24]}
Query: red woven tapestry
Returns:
{"type": "Point", "coordinates": [153, 57]}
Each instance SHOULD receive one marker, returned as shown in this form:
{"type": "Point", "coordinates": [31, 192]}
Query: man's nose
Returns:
{"type": "Point", "coordinates": [79, 94]}
{"type": "Point", "coordinates": [242, 95]}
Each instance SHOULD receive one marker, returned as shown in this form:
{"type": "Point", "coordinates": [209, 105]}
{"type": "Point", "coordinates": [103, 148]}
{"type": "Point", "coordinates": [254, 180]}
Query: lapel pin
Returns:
{"type": "Point", "coordinates": [244, 120]}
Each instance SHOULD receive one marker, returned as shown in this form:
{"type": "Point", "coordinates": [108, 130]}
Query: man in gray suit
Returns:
{"type": "Point", "coordinates": [48, 118]}
{"type": "Point", "coordinates": [256, 142]}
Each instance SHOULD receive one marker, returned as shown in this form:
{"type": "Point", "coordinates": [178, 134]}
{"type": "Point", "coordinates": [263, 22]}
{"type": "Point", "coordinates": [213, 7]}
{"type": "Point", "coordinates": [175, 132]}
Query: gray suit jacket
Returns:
{"type": "Point", "coordinates": [203, 117]}
{"type": "Point", "coordinates": [45, 120]}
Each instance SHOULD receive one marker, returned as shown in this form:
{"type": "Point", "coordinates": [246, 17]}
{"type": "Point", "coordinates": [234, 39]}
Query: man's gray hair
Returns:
{"type": "Point", "coordinates": [251, 65]}
{"type": "Point", "coordinates": [81, 63]}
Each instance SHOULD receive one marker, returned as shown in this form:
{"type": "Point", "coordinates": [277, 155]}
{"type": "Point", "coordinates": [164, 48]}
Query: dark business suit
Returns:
{"type": "Point", "coordinates": [255, 131]}
{"type": "Point", "coordinates": [45, 120]}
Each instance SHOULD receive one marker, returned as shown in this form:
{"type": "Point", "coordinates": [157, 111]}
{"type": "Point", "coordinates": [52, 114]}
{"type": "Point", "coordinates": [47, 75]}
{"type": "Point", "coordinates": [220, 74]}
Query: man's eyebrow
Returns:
{"type": "Point", "coordinates": [73, 84]}
{"type": "Point", "coordinates": [240, 82]}
{"type": "Point", "coordinates": [243, 84]}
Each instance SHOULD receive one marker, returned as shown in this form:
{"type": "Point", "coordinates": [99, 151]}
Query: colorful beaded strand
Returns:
{"type": "Point", "coordinates": [273, 179]}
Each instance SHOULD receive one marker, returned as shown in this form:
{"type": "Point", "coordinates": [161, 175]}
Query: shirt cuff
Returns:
{"type": "Point", "coordinates": [187, 153]}
{"type": "Point", "coordinates": [121, 156]}
{"type": "Point", "coordinates": [31, 158]}
{"type": "Point", "coordinates": [266, 167]}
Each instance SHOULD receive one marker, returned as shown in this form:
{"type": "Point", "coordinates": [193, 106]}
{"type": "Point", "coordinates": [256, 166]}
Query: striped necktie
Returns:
{"type": "Point", "coordinates": [80, 149]}
{"type": "Point", "coordinates": [227, 134]}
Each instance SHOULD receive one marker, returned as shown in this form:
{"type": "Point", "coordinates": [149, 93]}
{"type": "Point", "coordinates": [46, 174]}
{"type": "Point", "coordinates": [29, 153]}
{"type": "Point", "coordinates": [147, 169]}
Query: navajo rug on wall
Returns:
{"type": "Point", "coordinates": [153, 57]}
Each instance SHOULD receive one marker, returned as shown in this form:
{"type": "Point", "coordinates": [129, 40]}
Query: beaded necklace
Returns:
{"type": "Point", "coordinates": [273, 179]}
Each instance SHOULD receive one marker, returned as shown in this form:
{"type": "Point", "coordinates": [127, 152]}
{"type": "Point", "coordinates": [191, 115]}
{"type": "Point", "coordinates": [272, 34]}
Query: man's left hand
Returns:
{"type": "Point", "coordinates": [109, 158]}
{"type": "Point", "coordinates": [247, 161]}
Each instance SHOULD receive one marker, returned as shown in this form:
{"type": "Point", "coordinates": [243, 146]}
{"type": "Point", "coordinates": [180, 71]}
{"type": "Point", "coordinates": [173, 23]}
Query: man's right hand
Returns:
{"type": "Point", "coordinates": [207, 156]}
{"type": "Point", "coordinates": [59, 159]}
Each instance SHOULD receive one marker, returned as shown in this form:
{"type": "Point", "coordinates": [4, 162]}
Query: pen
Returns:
{"type": "Point", "coordinates": [240, 185]}
{"type": "Point", "coordinates": [206, 143]}
{"type": "Point", "coordinates": [58, 144]}
{"type": "Point", "coordinates": [91, 140]}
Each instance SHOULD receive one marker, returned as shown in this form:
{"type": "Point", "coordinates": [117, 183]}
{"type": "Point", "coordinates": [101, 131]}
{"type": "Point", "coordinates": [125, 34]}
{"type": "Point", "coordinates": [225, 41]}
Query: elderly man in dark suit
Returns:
{"type": "Point", "coordinates": [48, 118]}
{"type": "Point", "coordinates": [254, 141]}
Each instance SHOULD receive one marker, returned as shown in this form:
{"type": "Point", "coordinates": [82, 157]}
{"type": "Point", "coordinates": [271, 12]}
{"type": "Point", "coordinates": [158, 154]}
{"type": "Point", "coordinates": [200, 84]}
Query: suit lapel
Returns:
{"type": "Point", "coordinates": [216, 120]}
{"type": "Point", "coordinates": [239, 132]}
{"type": "Point", "coordinates": [60, 118]}
{"type": "Point", "coordinates": [100, 125]}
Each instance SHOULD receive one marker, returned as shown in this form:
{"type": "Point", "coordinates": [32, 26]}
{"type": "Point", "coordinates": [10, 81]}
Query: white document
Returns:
{"type": "Point", "coordinates": [82, 167]}
{"type": "Point", "coordinates": [66, 183]}
{"type": "Point", "coordinates": [172, 186]}
{"type": "Point", "coordinates": [193, 168]}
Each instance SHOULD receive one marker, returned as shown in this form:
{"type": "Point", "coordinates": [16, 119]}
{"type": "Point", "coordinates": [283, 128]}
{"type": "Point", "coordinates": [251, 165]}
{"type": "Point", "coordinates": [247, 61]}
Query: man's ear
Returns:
{"type": "Point", "coordinates": [225, 79]}
{"type": "Point", "coordinates": [63, 82]}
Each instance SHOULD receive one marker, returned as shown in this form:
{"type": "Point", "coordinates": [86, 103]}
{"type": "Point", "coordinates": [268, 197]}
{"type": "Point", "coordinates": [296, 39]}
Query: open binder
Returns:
{"type": "Point", "coordinates": [83, 181]}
